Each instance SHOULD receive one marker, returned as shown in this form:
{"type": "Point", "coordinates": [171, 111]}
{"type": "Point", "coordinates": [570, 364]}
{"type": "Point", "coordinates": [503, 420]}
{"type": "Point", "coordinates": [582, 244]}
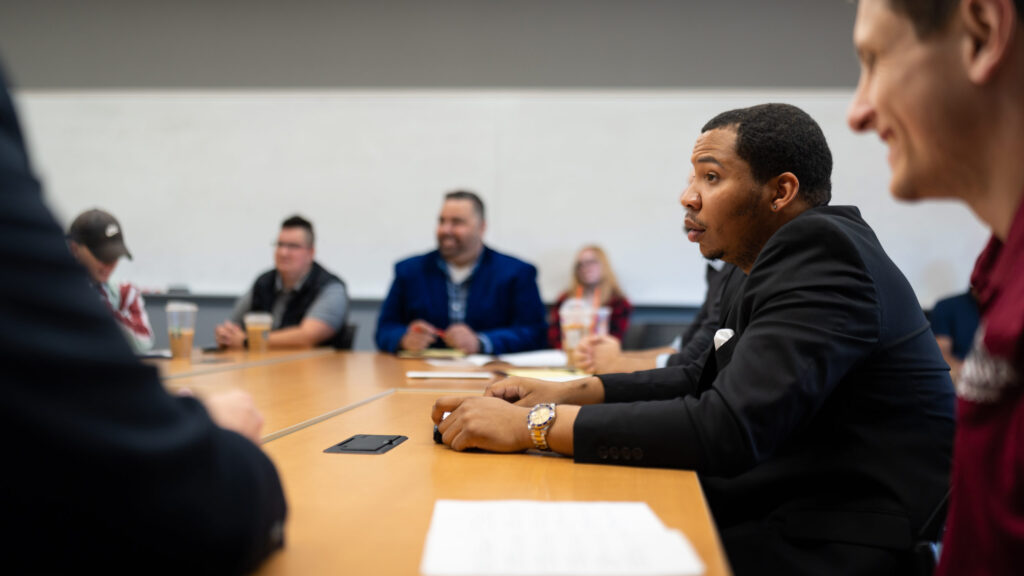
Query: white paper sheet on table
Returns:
{"type": "Point", "coordinates": [549, 374]}
{"type": "Point", "coordinates": [528, 538]}
{"type": "Point", "coordinates": [451, 363]}
{"type": "Point", "coordinates": [450, 375]}
{"type": "Point", "coordinates": [535, 359]}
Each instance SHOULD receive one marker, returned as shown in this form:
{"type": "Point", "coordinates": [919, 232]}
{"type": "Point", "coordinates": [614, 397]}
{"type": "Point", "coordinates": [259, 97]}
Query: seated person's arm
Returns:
{"type": "Point", "coordinates": [325, 317]}
{"type": "Point", "coordinates": [604, 355]}
{"type": "Point", "coordinates": [309, 333]}
{"type": "Point", "coordinates": [231, 410]}
{"type": "Point", "coordinates": [133, 318]}
{"type": "Point", "coordinates": [462, 337]}
{"type": "Point", "coordinates": [497, 421]}
{"type": "Point", "coordinates": [229, 334]}
{"type": "Point", "coordinates": [242, 306]}
{"type": "Point", "coordinates": [420, 335]}
{"type": "Point", "coordinates": [498, 426]}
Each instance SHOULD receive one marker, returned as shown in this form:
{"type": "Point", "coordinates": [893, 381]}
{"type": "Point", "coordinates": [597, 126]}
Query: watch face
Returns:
{"type": "Point", "coordinates": [540, 415]}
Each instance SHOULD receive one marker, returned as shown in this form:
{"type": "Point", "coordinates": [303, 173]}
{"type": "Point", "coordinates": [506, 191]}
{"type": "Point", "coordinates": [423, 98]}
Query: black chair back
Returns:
{"type": "Point", "coordinates": [348, 336]}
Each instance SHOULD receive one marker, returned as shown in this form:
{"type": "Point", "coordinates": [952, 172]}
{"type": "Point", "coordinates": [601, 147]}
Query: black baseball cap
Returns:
{"type": "Point", "coordinates": [101, 233]}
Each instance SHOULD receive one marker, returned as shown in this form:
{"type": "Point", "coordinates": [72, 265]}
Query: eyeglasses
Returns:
{"type": "Point", "coordinates": [288, 246]}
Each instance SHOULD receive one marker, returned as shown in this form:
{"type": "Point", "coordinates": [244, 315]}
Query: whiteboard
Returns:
{"type": "Point", "coordinates": [202, 179]}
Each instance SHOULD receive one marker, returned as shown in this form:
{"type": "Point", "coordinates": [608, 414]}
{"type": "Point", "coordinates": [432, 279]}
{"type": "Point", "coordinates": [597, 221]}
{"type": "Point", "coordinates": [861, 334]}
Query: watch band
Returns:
{"type": "Point", "coordinates": [539, 420]}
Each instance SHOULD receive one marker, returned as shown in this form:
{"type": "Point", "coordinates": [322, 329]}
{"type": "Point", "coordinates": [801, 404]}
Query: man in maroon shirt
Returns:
{"type": "Point", "coordinates": [942, 83]}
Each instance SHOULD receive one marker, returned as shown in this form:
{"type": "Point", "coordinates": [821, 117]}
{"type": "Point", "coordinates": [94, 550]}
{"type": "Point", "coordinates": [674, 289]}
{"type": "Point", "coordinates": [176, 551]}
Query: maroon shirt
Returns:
{"type": "Point", "coordinates": [985, 525]}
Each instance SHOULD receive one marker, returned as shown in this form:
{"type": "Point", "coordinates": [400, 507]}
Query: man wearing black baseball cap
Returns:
{"type": "Point", "coordinates": [97, 242]}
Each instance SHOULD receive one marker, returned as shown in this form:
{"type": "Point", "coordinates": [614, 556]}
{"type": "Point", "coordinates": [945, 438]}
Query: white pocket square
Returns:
{"type": "Point", "coordinates": [723, 336]}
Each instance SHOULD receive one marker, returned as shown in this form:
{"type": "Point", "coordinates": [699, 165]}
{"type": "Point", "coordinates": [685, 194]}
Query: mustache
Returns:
{"type": "Point", "coordinates": [691, 222]}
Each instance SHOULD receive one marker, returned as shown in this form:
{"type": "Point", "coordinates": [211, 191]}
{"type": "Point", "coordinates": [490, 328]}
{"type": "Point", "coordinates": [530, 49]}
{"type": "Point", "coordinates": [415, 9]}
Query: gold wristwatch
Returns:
{"type": "Point", "coordinates": [538, 421]}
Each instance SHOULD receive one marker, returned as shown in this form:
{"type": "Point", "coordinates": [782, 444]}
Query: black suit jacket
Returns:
{"type": "Point", "coordinates": [828, 415]}
{"type": "Point", "coordinates": [102, 468]}
{"type": "Point", "coordinates": [699, 335]}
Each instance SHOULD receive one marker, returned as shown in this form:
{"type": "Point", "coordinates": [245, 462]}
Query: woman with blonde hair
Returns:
{"type": "Point", "coordinates": [593, 280]}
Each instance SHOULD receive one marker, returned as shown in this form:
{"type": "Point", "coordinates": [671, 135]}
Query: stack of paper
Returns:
{"type": "Point", "coordinates": [512, 537]}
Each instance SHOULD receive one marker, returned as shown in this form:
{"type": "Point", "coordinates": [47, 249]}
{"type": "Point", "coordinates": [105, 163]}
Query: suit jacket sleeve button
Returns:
{"type": "Point", "coordinates": [602, 452]}
{"type": "Point", "coordinates": [614, 453]}
{"type": "Point", "coordinates": [638, 454]}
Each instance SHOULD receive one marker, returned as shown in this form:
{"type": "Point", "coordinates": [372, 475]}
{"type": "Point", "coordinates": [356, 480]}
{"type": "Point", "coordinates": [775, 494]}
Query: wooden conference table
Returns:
{"type": "Point", "coordinates": [369, 514]}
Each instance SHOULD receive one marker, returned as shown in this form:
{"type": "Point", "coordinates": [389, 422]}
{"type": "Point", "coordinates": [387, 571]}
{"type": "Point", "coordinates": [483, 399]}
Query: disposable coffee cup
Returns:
{"type": "Point", "coordinates": [181, 327]}
{"type": "Point", "coordinates": [601, 318]}
{"type": "Point", "coordinates": [576, 318]}
{"type": "Point", "coordinates": [257, 330]}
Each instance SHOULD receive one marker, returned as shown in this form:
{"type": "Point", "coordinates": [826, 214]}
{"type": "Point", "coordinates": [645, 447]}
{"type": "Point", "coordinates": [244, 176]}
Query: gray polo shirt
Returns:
{"type": "Point", "coordinates": [329, 307]}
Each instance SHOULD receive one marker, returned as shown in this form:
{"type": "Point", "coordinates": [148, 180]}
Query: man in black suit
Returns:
{"type": "Point", "coordinates": [102, 468]}
{"type": "Point", "coordinates": [820, 422]}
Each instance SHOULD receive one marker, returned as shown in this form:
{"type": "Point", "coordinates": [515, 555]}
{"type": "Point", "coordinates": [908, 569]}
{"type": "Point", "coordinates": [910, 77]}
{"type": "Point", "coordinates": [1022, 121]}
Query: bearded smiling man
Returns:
{"type": "Point", "coordinates": [821, 420]}
{"type": "Point", "coordinates": [463, 295]}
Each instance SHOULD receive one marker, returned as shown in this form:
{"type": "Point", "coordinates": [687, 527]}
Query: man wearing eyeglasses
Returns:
{"type": "Point", "coordinates": [308, 303]}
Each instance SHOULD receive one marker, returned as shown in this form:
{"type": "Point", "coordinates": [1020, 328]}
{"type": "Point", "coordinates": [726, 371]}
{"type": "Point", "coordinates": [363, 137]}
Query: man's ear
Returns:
{"type": "Point", "coordinates": [990, 27]}
{"type": "Point", "coordinates": [785, 189]}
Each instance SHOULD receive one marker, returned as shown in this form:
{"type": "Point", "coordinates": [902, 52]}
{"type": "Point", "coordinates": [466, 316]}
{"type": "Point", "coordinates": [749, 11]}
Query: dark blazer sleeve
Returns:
{"type": "Point", "coordinates": [390, 324]}
{"type": "Point", "coordinates": [103, 467]}
{"type": "Point", "coordinates": [806, 315]}
{"type": "Point", "coordinates": [527, 327]}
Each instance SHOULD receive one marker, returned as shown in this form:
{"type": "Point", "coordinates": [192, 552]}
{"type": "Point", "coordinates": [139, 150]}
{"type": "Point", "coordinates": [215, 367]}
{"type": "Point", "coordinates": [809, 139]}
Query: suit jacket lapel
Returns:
{"type": "Point", "coordinates": [719, 358]}
{"type": "Point", "coordinates": [479, 289]}
{"type": "Point", "coordinates": [437, 293]}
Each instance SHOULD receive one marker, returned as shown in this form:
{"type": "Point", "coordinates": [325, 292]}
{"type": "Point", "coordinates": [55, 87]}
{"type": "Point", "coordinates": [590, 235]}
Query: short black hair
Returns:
{"type": "Point", "coordinates": [931, 16]}
{"type": "Point", "coordinates": [478, 204]}
{"type": "Point", "coordinates": [778, 138]}
{"type": "Point", "coordinates": [300, 222]}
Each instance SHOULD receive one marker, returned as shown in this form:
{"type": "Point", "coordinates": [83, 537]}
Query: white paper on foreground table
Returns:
{"type": "Point", "coordinates": [517, 537]}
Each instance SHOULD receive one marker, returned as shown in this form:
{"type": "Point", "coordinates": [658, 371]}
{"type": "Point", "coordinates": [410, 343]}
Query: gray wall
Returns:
{"type": "Point", "coordinates": [423, 43]}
